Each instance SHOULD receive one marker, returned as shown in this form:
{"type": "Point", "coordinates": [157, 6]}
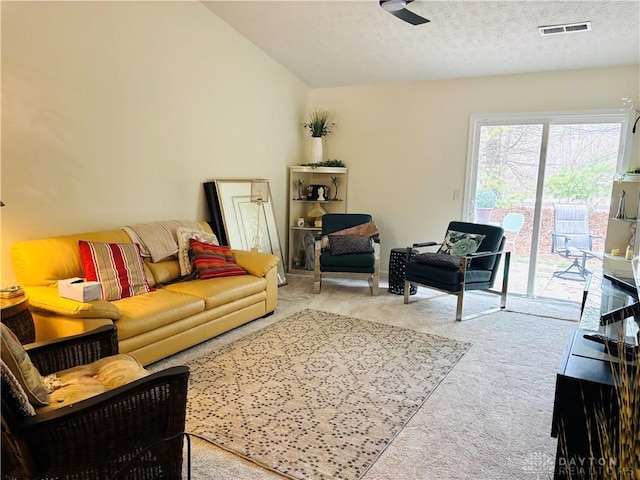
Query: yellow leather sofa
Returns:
{"type": "Point", "coordinates": [153, 325]}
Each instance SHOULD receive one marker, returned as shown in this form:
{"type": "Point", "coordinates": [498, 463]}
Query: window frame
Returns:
{"type": "Point", "coordinates": [625, 117]}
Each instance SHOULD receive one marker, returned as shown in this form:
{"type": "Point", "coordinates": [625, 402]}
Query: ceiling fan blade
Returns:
{"type": "Point", "coordinates": [410, 17]}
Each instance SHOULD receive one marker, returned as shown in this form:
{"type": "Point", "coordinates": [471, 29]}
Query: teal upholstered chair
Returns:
{"type": "Point", "coordinates": [457, 275]}
{"type": "Point", "coordinates": [330, 260]}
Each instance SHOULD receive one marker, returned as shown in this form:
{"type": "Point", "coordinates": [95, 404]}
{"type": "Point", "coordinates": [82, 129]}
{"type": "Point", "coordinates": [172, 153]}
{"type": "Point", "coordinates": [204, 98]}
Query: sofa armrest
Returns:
{"type": "Point", "coordinates": [47, 299]}
{"type": "Point", "coordinates": [256, 263]}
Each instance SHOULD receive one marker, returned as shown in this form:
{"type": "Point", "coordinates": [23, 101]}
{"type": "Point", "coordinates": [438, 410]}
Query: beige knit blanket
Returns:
{"type": "Point", "coordinates": [366, 230]}
{"type": "Point", "coordinates": [158, 239]}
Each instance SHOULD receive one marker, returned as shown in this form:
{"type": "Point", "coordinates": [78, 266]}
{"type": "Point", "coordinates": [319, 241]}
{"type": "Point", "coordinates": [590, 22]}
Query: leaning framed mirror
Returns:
{"type": "Point", "coordinates": [238, 219]}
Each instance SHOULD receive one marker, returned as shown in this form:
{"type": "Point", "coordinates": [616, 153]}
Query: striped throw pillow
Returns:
{"type": "Point", "coordinates": [117, 266]}
{"type": "Point", "coordinates": [211, 261]}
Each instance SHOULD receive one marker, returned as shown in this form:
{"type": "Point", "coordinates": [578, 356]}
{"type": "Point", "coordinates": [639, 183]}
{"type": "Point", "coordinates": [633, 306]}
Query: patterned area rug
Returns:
{"type": "Point", "coordinates": [316, 395]}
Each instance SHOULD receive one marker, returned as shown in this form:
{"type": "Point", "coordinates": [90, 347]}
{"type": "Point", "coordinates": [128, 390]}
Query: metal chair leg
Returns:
{"type": "Point", "coordinates": [317, 275]}
{"type": "Point", "coordinates": [459, 305]}
{"type": "Point", "coordinates": [374, 281]}
{"type": "Point", "coordinates": [568, 271]}
{"type": "Point", "coordinates": [407, 287]}
{"type": "Point", "coordinates": [375, 278]}
{"type": "Point", "coordinates": [505, 280]}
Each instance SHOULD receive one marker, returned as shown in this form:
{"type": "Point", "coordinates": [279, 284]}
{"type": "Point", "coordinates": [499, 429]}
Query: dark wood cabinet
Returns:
{"type": "Point", "coordinates": [585, 397]}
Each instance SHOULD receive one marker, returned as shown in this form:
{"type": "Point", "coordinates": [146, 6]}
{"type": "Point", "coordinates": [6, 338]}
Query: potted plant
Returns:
{"type": "Point", "coordinates": [486, 200]}
{"type": "Point", "coordinates": [319, 126]}
{"type": "Point", "coordinates": [335, 181]}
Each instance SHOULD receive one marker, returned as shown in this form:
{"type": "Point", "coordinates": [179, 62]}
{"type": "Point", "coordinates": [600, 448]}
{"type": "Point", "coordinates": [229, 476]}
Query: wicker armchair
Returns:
{"type": "Point", "coordinates": [131, 432]}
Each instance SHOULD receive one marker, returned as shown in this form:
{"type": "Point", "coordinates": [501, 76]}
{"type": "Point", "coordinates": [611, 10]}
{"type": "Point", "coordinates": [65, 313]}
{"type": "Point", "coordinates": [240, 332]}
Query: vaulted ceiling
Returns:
{"type": "Point", "coordinates": [337, 43]}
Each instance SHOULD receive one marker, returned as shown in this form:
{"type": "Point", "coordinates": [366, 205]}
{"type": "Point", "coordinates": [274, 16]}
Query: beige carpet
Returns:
{"type": "Point", "coordinates": [316, 395]}
{"type": "Point", "coordinates": [489, 419]}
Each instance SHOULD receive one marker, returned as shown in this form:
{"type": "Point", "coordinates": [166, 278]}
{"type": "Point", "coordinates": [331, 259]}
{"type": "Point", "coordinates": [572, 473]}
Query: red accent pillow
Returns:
{"type": "Point", "coordinates": [211, 261]}
{"type": "Point", "coordinates": [117, 266]}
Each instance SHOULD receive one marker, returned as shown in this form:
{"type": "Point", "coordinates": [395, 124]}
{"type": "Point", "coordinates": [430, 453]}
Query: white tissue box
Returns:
{"type": "Point", "coordinates": [81, 291]}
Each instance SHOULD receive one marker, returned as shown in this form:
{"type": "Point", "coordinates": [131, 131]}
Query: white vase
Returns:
{"type": "Point", "coordinates": [316, 149]}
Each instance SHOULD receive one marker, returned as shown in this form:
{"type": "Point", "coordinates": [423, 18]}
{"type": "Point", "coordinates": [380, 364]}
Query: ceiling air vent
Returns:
{"type": "Point", "coordinates": [566, 28]}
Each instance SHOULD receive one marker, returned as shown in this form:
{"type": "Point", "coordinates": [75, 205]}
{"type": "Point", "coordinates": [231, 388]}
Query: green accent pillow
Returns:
{"type": "Point", "coordinates": [461, 243]}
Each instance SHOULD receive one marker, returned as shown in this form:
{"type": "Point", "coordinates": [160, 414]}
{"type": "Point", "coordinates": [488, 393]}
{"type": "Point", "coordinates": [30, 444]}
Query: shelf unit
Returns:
{"type": "Point", "coordinates": [620, 230]}
{"type": "Point", "coordinates": [300, 205]}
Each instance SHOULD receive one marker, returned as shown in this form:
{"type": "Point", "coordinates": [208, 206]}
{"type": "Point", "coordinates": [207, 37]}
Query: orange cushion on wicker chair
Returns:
{"type": "Point", "coordinates": [85, 381]}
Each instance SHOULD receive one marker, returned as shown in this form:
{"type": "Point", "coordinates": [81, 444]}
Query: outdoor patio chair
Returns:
{"type": "Point", "coordinates": [512, 224]}
{"type": "Point", "coordinates": [468, 259]}
{"type": "Point", "coordinates": [572, 239]}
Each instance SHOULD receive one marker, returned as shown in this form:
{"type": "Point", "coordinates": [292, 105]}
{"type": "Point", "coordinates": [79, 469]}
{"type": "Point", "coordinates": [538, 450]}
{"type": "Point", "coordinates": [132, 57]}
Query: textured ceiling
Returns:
{"type": "Point", "coordinates": [336, 43]}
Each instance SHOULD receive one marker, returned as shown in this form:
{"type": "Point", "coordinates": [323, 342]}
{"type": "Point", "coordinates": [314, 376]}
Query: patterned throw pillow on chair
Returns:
{"type": "Point", "coordinates": [345, 244]}
{"type": "Point", "coordinates": [13, 395]}
{"type": "Point", "coordinates": [17, 360]}
{"type": "Point", "coordinates": [461, 243]}
{"type": "Point", "coordinates": [439, 260]}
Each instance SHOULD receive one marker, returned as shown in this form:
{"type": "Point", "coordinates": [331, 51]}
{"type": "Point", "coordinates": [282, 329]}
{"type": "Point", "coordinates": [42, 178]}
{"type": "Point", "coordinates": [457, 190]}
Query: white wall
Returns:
{"type": "Point", "coordinates": [406, 144]}
{"type": "Point", "coordinates": [116, 112]}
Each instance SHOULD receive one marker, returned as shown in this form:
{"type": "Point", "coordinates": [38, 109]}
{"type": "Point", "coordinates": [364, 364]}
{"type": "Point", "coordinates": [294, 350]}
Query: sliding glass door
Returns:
{"type": "Point", "coordinates": [525, 170]}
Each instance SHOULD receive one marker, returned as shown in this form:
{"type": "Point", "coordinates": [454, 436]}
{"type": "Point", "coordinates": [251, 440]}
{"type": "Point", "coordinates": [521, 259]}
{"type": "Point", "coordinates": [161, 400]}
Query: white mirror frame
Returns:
{"type": "Point", "coordinates": [239, 216]}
